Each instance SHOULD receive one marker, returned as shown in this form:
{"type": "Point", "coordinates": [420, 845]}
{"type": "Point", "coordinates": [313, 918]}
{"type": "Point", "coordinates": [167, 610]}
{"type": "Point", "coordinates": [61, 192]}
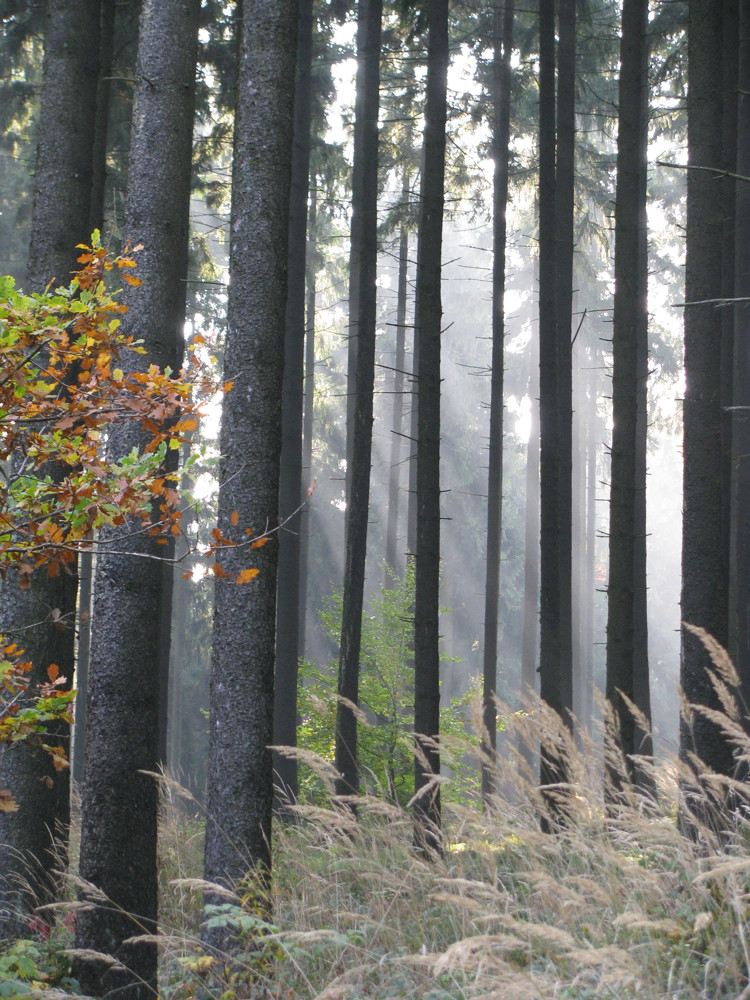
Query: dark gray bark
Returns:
{"type": "Point", "coordinates": [240, 779]}
{"type": "Point", "coordinates": [119, 31]}
{"type": "Point", "coordinates": [627, 624]}
{"type": "Point", "coordinates": [99, 152]}
{"type": "Point", "coordinates": [60, 219]}
{"type": "Point", "coordinates": [729, 138]}
{"type": "Point", "coordinates": [427, 832]}
{"type": "Point", "coordinates": [501, 83]}
{"type": "Point", "coordinates": [290, 485]}
{"type": "Point", "coordinates": [363, 260]}
{"type": "Point", "coordinates": [740, 484]}
{"type": "Point", "coordinates": [549, 449]}
{"type": "Point", "coordinates": [564, 215]}
{"type": "Point", "coordinates": [556, 137]}
{"type": "Point", "coordinates": [119, 802]}
{"type": "Point", "coordinates": [704, 576]}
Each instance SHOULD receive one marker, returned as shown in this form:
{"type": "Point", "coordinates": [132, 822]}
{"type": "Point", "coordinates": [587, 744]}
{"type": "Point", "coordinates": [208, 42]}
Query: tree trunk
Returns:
{"type": "Point", "coordinates": [740, 523]}
{"type": "Point", "coordinates": [114, 25]}
{"type": "Point", "coordinates": [290, 485]}
{"type": "Point", "coordinates": [42, 619]}
{"type": "Point", "coordinates": [564, 216]}
{"type": "Point", "coordinates": [83, 656]}
{"type": "Point", "coordinates": [99, 151]}
{"type": "Point", "coordinates": [554, 382]}
{"type": "Point", "coordinates": [530, 645]}
{"type": "Point", "coordinates": [589, 603]}
{"type": "Point", "coordinates": [427, 833]}
{"type": "Point", "coordinates": [240, 779]}
{"type": "Point", "coordinates": [363, 280]}
{"type": "Point", "coordinates": [704, 577]}
{"type": "Point", "coordinates": [308, 427]}
{"type": "Point", "coordinates": [501, 83]}
{"type": "Point", "coordinates": [392, 561]}
{"type": "Point", "coordinates": [627, 623]}
{"type": "Point", "coordinates": [119, 803]}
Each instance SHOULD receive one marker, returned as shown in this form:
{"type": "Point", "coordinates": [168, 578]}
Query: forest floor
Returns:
{"type": "Point", "coordinates": [612, 903]}
{"type": "Point", "coordinates": [615, 903]}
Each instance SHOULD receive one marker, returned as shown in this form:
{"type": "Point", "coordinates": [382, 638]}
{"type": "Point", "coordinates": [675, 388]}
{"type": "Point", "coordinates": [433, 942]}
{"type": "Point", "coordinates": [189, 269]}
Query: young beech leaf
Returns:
{"type": "Point", "coordinates": [247, 575]}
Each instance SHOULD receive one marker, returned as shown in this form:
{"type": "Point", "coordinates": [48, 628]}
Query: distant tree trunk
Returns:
{"type": "Point", "coordinates": [240, 779]}
{"type": "Point", "coordinates": [427, 833]}
{"type": "Point", "coordinates": [740, 524]}
{"type": "Point", "coordinates": [501, 83]}
{"type": "Point", "coordinates": [394, 476]}
{"type": "Point", "coordinates": [83, 654]}
{"type": "Point", "coordinates": [530, 646]}
{"type": "Point", "coordinates": [588, 603]}
{"type": "Point", "coordinates": [119, 802]}
{"type": "Point", "coordinates": [308, 425]}
{"type": "Point", "coordinates": [290, 485]}
{"type": "Point", "coordinates": [627, 622]}
{"type": "Point", "coordinates": [704, 577]}
{"type": "Point", "coordinates": [564, 217]}
{"type": "Point", "coordinates": [363, 279]}
{"type": "Point", "coordinates": [578, 466]}
{"type": "Point", "coordinates": [42, 619]}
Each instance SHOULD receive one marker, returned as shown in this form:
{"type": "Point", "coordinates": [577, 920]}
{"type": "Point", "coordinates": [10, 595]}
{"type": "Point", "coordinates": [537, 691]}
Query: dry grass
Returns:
{"type": "Point", "coordinates": [615, 903]}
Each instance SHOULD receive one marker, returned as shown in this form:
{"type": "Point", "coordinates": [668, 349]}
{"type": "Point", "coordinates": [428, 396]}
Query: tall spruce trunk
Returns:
{"type": "Point", "coordinates": [119, 800]}
{"type": "Point", "coordinates": [704, 576]}
{"type": "Point", "coordinates": [627, 624]}
{"type": "Point", "coordinates": [427, 831]}
{"type": "Point", "coordinates": [240, 779]}
{"type": "Point", "coordinates": [363, 280]}
{"type": "Point", "coordinates": [42, 618]}
{"type": "Point", "coordinates": [729, 139]}
{"type": "Point", "coordinates": [118, 35]}
{"type": "Point", "coordinates": [740, 483]}
{"type": "Point", "coordinates": [501, 83]}
{"type": "Point", "coordinates": [290, 485]}
{"type": "Point", "coordinates": [554, 437]}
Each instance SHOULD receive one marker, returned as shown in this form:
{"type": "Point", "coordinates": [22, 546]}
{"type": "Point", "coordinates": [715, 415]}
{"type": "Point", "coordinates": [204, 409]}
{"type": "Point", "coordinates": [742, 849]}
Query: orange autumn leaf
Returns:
{"type": "Point", "coordinates": [234, 518]}
{"type": "Point", "coordinates": [259, 543]}
{"type": "Point", "coordinates": [53, 672]}
{"type": "Point", "coordinates": [247, 575]}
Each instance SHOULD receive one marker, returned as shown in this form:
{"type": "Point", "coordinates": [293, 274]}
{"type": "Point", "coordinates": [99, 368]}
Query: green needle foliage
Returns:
{"type": "Point", "coordinates": [386, 718]}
